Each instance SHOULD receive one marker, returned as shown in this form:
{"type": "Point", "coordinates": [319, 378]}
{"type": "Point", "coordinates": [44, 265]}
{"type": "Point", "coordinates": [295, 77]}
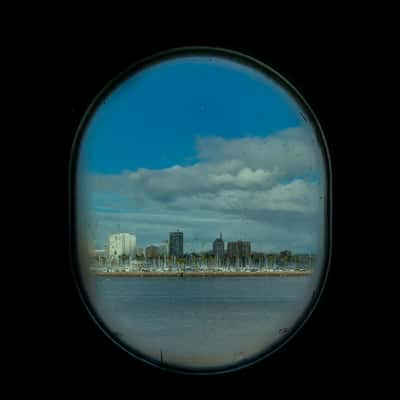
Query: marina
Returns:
{"type": "Point", "coordinates": [203, 274]}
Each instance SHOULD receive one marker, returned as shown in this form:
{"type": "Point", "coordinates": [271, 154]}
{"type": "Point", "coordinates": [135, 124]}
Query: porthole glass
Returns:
{"type": "Point", "coordinates": [200, 210]}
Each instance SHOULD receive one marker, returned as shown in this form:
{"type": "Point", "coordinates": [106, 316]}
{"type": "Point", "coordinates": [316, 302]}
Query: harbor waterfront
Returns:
{"type": "Point", "coordinates": [205, 309]}
{"type": "Point", "coordinates": [122, 257]}
{"type": "Point", "coordinates": [204, 274]}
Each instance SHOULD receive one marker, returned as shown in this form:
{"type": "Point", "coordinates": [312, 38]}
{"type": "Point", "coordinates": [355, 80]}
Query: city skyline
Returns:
{"type": "Point", "coordinates": [218, 246]}
{"type": "Point", "coordinates": [210, 160]}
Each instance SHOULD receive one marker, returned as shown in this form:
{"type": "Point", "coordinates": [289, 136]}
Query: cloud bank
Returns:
{"type": "Point", "coordinates": [268, 190]}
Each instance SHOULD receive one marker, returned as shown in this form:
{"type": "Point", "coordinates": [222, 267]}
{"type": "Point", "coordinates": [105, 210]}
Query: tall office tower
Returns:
{"type": "Point", "coordinates": [218, 248]}
{"type": "Point", "coordinates": [176, 244]}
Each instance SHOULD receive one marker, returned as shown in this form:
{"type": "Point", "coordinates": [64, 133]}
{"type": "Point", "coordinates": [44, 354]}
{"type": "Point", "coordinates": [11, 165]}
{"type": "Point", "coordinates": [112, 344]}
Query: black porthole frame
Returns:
{"type": "Point", "coordinates": [73, 248]}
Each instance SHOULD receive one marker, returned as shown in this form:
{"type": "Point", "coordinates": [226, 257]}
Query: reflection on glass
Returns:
{"type": "Point", "coordinates": [201, 212]}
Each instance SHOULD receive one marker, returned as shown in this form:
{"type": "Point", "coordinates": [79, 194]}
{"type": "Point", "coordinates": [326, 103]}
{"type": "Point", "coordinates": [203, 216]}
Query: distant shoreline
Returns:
{"type": "Point", "coordinates": [202, 274]}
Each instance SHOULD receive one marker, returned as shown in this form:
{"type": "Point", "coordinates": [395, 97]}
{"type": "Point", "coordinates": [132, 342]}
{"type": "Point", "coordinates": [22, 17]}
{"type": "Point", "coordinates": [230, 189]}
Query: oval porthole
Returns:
{"type": "Point", "coordinates": [200, 210]}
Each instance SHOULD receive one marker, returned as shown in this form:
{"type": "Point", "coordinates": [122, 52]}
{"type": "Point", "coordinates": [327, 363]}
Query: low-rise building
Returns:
{"type": "Point", "coordinates": [152, 251]}
{"type": "Point", "coordinates": [164, 248]}
{"type": "Point", "coordinates": [139, 251]}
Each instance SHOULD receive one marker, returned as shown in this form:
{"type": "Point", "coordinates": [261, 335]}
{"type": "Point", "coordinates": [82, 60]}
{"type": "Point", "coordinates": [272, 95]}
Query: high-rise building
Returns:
{"type": "Point", "coordinates": [218, 247]}
{"type": "Point", "coordinates": [176, 244]}
{"type": "Point", "coordinates": [121, 244]}
{"type": "Point", "coordinates": [239, 252]}
{"type": "Point", "coordinates": [239, 249]}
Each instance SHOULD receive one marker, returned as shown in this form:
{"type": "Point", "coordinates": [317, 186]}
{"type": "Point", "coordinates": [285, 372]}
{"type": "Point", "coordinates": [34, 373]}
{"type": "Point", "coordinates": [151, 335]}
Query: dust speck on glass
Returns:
{"type": "Point", "coordinates": [200, 210]}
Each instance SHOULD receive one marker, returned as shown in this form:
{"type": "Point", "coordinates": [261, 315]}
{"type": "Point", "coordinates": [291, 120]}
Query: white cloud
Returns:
{"type": "Point", "coordinates": [294, 151]}
{"type": "Point", "coordinates": [249, 187]}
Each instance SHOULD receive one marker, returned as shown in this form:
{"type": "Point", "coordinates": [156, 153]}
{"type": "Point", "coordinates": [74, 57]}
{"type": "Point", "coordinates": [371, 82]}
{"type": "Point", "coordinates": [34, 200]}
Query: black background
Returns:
{"type": "Point", "coordinates": [326, 350]}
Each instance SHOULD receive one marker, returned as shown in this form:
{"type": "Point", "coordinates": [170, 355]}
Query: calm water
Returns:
{"type": "Point", "coordinates": [200, 322]}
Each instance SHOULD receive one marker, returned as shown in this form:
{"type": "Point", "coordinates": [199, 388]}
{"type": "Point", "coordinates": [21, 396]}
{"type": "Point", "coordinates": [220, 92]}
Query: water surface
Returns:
{"type": "Point", "coordinates": [205, 322]}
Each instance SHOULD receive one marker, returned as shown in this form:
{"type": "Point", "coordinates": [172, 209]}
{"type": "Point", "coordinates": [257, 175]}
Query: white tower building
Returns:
{"type": "Point", "coordinates": [121, 244]}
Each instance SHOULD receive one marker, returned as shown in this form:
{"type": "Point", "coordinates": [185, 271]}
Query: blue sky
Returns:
{"type": "Point", "coordinates": [152, 119]}
{"type": "Point", "coordinates": [206, 146]}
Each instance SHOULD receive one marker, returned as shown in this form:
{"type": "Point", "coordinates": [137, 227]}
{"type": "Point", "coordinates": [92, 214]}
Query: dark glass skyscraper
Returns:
{"type": "Point", "coordinates": [176, 244]}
